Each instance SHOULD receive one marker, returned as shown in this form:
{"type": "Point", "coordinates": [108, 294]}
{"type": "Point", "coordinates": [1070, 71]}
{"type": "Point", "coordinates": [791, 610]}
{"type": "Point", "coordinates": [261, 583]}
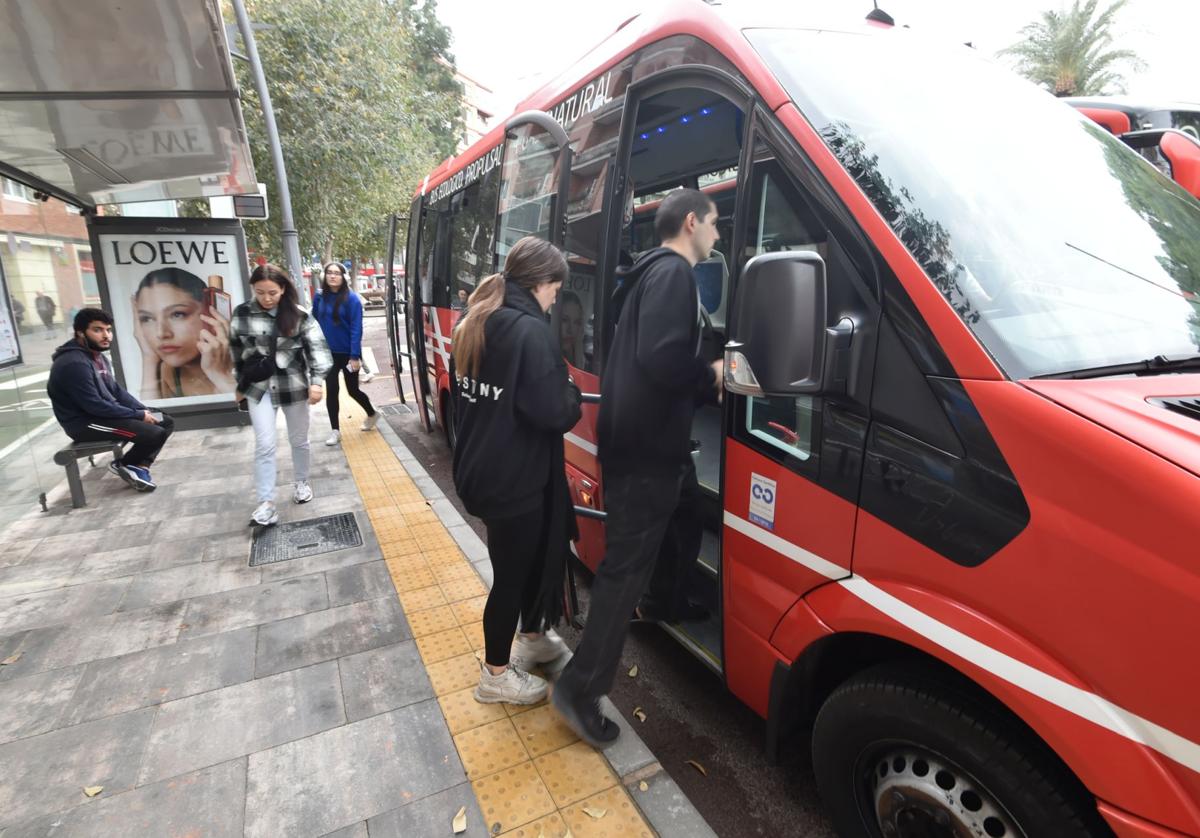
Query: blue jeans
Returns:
{"type": "Point", "coordinates": [262, 417]}
{"type": "Point", "coordinates": [639, 508]}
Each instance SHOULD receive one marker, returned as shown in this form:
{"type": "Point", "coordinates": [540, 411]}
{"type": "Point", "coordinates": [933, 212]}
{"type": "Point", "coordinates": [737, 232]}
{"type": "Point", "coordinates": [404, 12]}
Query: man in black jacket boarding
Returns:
{"type": "Point", "coordinates": [92, 407]}
{"type": "Point", "coordinates": [653, 380]}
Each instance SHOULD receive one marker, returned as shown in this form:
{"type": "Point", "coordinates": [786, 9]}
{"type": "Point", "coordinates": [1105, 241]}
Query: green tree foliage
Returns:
{"type": "Point", "coordinates": [366, 103]}
{"type": "Point", "coordinates": [1070, 52]}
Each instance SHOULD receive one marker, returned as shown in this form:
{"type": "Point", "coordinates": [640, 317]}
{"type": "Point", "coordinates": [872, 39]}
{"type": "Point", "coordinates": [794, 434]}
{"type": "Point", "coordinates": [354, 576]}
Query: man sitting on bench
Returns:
{"type": "Point", "coordinates": [92, 407]}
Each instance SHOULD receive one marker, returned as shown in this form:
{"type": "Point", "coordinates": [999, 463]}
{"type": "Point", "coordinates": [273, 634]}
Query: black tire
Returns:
{"type": "Point", "coordinates": [899, 752]}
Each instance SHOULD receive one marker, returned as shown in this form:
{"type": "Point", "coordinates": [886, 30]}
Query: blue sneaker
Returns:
{"type": "Point", "coordinates": [138, 478]}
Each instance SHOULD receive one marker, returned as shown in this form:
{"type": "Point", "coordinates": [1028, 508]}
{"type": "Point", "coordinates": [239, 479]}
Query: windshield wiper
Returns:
{"type": "Point", "coordinates": [1157, 365]}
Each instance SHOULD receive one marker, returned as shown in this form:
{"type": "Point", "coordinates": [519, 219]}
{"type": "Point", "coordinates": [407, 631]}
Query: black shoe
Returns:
{"type": "Point", "coordinates": [691, 612]}
{"type": "Point", "coordinates": [592, 726]}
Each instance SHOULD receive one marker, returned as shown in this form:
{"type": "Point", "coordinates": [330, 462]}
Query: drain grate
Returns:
{"type": "Point", "coordinates": [394, 409]}
{"type": "Point", "coordinates": [300, 539]}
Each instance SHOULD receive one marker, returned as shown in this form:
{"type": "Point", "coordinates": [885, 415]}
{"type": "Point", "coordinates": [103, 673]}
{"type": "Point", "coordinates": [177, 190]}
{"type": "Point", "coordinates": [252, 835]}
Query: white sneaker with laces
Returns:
{"type": "Point", "coordinates": [265, 515]}
{"type": "Point", "coordinates": [334, 438]}
{"type": "Point", "coordinates": [512, 686]}
{"type": "Point", "coordinates": [366, 376]}
{"type": "Point", "coordinates": [303, 492]}
{"type": "Point", "coordinates": [547, 650]}
{"type": "Point", "coordinates": [370, 422]}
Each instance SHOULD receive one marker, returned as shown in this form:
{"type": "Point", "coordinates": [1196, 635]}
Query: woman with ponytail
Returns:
{"type": "Point", "coordinates": [513, 403]}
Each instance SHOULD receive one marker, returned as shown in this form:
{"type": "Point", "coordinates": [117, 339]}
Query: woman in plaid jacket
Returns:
{"type": "Point", "coordinates": [301, 361]}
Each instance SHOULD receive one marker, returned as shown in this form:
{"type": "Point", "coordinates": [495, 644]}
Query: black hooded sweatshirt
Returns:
{"type": "Point", "coordinates": [511, 416]}
{"type": "Point", "coordinates": [82, 389]}
{"type": "Point", "coordinates": [655, 374]}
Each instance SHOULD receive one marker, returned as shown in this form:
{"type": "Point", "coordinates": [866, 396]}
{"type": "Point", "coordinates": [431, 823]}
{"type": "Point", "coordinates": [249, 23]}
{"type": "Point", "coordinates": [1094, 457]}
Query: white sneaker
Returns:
{"type": "Point", "coordinates": [548, 651]}
{"type": "Point", "coordinates": [512, 686]}
{"type": "Point", "coordinates": [265, 515]}
{"type": "Point", "coordinates": [303, 493]}
{"type": "Point", "coordinates": [334, 438]}
{"type": "Point", "coordinates": [370, 422]}
{"type": "Point", "coordinates": [365, 377]}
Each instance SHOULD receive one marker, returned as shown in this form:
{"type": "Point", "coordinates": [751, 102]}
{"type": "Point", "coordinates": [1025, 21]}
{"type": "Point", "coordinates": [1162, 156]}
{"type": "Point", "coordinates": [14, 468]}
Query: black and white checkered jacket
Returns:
{"type": "Point", "coordinates": [299, 360]}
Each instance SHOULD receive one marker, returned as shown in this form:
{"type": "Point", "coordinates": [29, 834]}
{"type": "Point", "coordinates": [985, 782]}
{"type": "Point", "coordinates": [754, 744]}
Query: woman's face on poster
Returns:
{"type": "Point", "coordinates": [570, 324]}
{"type": "Point", "coordinates": [169, 320]}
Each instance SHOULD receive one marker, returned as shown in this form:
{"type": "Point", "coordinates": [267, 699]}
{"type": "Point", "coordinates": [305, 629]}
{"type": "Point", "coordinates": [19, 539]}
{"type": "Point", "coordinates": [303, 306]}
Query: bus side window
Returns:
{"type": "Point", "coordinates": [471, 239]}
{"type": "Point", "coordinates": [425, 264]}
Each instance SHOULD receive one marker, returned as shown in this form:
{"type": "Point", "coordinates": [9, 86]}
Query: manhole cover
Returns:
{"type": "Point", "coordinates": [300, 539]}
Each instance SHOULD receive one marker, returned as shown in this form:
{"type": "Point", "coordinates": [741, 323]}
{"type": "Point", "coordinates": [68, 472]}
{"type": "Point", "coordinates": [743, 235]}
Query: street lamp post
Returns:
{"type": "Point", "coordinates": [291, 239]}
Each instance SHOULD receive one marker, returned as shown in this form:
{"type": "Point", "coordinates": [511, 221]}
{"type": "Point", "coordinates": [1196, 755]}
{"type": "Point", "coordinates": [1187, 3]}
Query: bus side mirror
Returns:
{"type": "Point", "coordinates": [1181, 151]}
{"type": "Point", "coordinates": [778, 336]}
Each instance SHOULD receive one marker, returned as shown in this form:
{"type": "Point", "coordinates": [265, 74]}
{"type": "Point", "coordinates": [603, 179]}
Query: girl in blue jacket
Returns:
{"type": "Point", "coordinates": [340, 313]}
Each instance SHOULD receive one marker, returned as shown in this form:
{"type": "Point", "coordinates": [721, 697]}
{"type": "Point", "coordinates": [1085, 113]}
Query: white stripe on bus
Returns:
{"type": "Point", "coordinates": [579, 441]}
{"type": "Point", "coordinates": [1080, 702]}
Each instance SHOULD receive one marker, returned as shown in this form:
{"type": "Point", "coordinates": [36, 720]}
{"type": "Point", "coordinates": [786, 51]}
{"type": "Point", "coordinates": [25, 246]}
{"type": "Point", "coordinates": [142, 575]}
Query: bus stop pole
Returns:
{"type": "Point", "coordinates": [291, 239]}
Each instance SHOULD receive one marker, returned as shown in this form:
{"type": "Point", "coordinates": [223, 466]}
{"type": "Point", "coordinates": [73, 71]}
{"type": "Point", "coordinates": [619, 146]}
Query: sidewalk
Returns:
{"type": "Point", "coordinates": [304, 697]}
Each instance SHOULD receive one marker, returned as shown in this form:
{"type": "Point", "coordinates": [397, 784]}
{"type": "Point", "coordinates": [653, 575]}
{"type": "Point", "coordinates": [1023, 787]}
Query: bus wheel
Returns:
{"type": "Point", "coordinates": [448, 421]}
{"type": "Point", "coordinates": [904, 755]}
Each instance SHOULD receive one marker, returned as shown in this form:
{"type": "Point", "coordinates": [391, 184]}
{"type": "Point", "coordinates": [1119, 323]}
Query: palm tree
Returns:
{"type": "Point", "coordinates": [1069, 52]}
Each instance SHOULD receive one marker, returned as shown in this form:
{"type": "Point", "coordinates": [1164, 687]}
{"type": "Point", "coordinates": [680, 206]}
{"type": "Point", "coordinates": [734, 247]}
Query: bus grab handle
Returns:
{"type": "Point", "coordinates": [588, 512]}
{"type": "Point", "coordinates": [589, 398]}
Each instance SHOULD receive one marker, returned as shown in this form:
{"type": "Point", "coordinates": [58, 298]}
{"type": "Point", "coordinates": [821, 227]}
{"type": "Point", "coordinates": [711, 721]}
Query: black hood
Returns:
{"type": "Point", "coordinates": [521, 299]}
{"type": "Point", "coordinates": [628, 276]}
{"type": "Point", "coordinates": [72, 346]}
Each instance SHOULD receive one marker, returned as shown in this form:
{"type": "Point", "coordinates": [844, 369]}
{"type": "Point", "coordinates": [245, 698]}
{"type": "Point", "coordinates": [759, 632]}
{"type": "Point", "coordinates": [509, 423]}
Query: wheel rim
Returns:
{"type": "Point", "coordinates": [910, 792]}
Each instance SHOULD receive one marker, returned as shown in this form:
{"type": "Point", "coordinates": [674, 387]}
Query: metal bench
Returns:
{"type": "Point", "coordinates": [70, 457]}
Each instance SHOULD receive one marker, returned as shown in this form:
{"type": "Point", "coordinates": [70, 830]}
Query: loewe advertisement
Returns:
{"type": "Point", "coordinates": [171, 288]}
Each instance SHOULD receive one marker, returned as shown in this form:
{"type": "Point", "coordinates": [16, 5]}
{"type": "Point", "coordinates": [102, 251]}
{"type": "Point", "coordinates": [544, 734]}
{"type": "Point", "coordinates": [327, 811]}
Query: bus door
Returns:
{"type": "Point", "coordinates": [534, 174]}
{"type": "Point", "coordinates": [684, 127]}
{"type": "Point", "coordinates": [793, 463]}
{"type": "Point", "coordinates": [414, 329]}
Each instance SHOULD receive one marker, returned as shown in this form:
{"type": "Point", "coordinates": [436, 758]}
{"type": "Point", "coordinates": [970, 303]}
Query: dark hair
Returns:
{"type": "Point", "coordinates": [185, 281]}
{"type": "Point", "coordinates": [87, 316]}
{"type": "Point", "coordinates": [674, 210]}
{"type": "Point", "coordinates": [339, 296]}
{"type": "Point", "coordinates": [288, 317]}
{"type": "Point", "coordinates": [531, 262]}
{"type": "Point", "coordinates": [569, 297]}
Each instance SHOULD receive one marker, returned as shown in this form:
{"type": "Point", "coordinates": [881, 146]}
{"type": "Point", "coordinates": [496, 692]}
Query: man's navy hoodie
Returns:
{"type": "Point", "coordinates": [83, 390]}
{"type": "Point", "coordinates": [654, 376]}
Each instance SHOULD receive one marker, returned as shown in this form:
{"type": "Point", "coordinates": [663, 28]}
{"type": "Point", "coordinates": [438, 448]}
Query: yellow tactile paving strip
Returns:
{"type": "Point", "coordinates": [532, 777]}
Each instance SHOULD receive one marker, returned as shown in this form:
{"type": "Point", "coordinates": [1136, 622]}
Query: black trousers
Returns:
{"type": "Point", "coordinates": [678, 554]}
{"type": "Point", "coordinates": [146, 439]}
{"type": "Point", "coordinates": [640, 508]}
{"type": "Point", "coordinates": [340, 364]}
{"type": "Point", "coordinates": [517, 548]}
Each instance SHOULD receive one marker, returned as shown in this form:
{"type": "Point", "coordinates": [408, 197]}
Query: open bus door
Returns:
{"type": "Point", "coordinates": [534, 175]}
{"type": "Point", "coordinates": [412, 309]}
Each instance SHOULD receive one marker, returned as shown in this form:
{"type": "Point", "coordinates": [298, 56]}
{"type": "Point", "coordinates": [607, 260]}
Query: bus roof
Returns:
{"type": "Point", "coordinates": [719, 26]}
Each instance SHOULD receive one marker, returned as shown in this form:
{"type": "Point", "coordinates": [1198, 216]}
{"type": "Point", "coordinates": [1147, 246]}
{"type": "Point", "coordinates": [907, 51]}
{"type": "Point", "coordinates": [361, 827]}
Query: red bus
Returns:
{"type": "Point", "coordinates": [951, 495]}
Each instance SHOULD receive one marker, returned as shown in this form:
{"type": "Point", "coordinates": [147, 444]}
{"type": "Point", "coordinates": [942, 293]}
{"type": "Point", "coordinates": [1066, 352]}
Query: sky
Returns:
{"type": "Point", "coordinates": [535, 39]}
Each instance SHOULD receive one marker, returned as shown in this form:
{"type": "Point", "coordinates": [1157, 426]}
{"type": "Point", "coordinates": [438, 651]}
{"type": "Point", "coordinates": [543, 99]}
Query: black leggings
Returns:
{"type": "Point", "coordinates": [517, 549]}
{"type": "Point", "coordinates": [340, 362]}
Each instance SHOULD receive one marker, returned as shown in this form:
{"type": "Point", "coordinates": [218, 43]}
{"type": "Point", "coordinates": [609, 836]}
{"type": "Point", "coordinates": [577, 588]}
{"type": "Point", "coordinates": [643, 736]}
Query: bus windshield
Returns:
{"type": "Point", "coordinates": [1058, 246]}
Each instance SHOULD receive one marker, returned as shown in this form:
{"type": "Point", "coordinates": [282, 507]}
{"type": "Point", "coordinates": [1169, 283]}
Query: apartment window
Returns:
{"type": "Point", "coordinates": [20, 191]}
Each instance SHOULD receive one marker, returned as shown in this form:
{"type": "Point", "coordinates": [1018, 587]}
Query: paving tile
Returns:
{"type": "Point", "coordinates": [442, 645]}
{"type": "Point", "coordinates": [432, 621]}
{"type": "Point", "coordinates": [27, 611]}
{"type": "Point", "coordinates": [332, 633]}
{"type": "Point", "coordinates": [490, 748]}
{"type": "Point", "coordinates": [214, 523]}
{"type": "Point", "coordinates": [512, 797]}
{"type": "Point", "coordinates": [223, 724]}
{"type": "Point", "coordinates": [551, 826]}
{"type": "Point", "coordinates": [621, 818]}
{"type": "Point", "coordinates": [207, 802]}
{"type": "Point", "coordinates": [457, 590]}
{"type": "Point", "coordinates": [35, 576]}
{"type": "Point", "coordinates": [474, 633]}
{"type": "Point", "coordinates": [100, 637]}
{"type": "Point", "coordinates": [454, 674]}
{"type": "Point", "coordinates": [34, 704]}
{"type": "Point", "coordinates": [422, 598]}
{"type": "Point", "coordinates": [469, 611]}
{"type": "Point", "coordinates": [542, 730]}
{"type": "Point", "coordinates": [251, 606]}
{"type": "Point", "coordinates": [162, 674]}
{"type": "Point", "coordinates": [463, 712]}
{"type": "Point", "coordinates": [574, 772]}
{"type": "Point", "coordinates": [514, 710]}
{"type": "Point", "coordinates": [412, 579]}
{"type": "Point", "coordinates": [431, 816]}
{"type": "Point", "coordinates": [383, 679]}
{"type": "Point", "coordinates": [358, 830]}
{"type": "Point", "coordinates": [359, 582]}
{"type": "Point", "coordinates": [351, 773]}
{"type": "Point", "coordinates": [454, 572]}
{"type": "Point", "coordinates": [629, 753]}
{"type": "Point", "coordinates": [55, 767]}
{"type": "Point", "coordinates": [189, 581]}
